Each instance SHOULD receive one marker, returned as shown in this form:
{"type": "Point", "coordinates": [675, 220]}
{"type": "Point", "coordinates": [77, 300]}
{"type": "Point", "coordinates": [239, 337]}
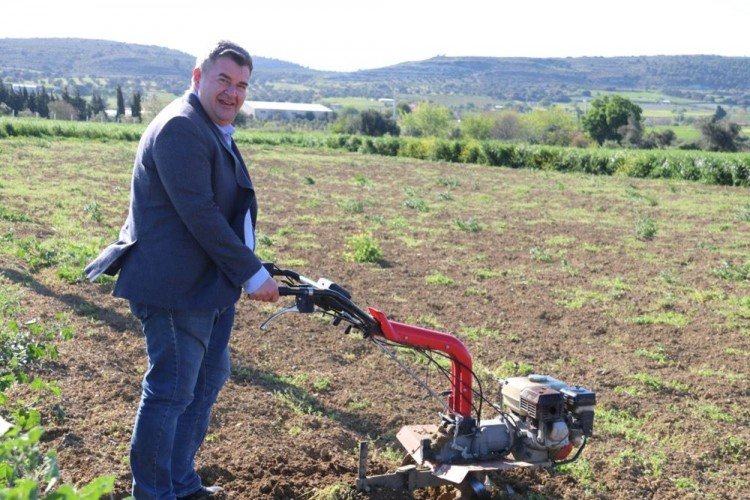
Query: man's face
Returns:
{"type": "Point", "coordinates": [222, 89]}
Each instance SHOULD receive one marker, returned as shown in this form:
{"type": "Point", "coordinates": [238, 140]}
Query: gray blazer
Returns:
{"type": "Point", "coordinates": [182, 245]}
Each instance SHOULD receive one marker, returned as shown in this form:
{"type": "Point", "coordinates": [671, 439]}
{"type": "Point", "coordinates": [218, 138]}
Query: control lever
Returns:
{"type": "Point", "coordinates": [303, 303]}
{"type": "Point", "coordinates": [290, 309]}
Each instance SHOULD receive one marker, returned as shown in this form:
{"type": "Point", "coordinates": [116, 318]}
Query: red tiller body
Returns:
{"type": "Point", "coordinates": [460, 398]}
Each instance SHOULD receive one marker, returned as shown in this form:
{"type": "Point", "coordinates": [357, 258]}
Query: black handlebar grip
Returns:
{"type": "Point", "coordinates": [286, 291]}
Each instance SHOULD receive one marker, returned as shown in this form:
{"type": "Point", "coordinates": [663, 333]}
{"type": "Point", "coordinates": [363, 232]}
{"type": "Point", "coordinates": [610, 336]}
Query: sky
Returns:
{"type": "Point", "coordinates": [340, 35]}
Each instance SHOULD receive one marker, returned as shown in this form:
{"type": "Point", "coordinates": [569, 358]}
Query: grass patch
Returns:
{"type": "Point", "coordinates": [620, 423]}
{"type": "Point", "coordinates": [657, 384]}
{"type": "Point", "coordinates": [476, 333]}
{"type": "Point", "coordinates": [509, 369]}
{"type": "Point", "coordinates": [438, 279]}
{"type": "Point", "coordinates": [733, 272]}
{"type": "Point", "coordinates": [670, 318]}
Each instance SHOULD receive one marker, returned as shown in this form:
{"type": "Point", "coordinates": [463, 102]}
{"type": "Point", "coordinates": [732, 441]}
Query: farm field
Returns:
{"type": "Point", "coordinates": [636, 289]}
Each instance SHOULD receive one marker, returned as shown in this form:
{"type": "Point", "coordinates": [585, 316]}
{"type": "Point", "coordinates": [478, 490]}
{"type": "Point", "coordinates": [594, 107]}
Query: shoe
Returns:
{"type": "Point", "coordinates": [204, 492]}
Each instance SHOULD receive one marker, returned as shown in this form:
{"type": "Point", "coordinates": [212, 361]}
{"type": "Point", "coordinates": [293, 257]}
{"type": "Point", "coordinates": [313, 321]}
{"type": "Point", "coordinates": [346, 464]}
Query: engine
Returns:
{"type": "Point", "coordinates": [542, 419]}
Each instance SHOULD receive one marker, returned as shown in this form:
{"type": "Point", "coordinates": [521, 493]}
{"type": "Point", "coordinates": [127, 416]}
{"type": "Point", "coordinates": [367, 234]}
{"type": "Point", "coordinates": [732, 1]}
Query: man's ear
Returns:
{"type": "Point", "coordinates": [196, 78]}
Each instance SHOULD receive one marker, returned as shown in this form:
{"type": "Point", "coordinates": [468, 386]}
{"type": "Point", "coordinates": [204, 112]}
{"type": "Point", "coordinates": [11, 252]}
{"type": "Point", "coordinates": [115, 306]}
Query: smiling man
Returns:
{"type": "Point", "coordinates": [184, 254]}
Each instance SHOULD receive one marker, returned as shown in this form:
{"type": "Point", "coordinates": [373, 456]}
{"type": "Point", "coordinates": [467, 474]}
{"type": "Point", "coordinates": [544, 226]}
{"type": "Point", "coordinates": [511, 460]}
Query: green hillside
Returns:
{"type": "Point", "coordinates": [707, 78]}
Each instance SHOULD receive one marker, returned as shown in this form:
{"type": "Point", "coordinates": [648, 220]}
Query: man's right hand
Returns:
{"type": "Point", "coordinates": [268, 292]}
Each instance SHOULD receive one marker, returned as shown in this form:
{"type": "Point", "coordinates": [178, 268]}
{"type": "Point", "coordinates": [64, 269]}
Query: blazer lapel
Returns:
{"type": "Point", "coordinates": [240, 170]}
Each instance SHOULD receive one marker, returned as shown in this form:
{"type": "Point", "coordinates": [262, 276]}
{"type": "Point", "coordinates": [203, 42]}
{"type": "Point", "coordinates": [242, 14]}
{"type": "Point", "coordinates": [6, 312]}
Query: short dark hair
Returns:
{"type": "Point", "coordinates": [225, 48]}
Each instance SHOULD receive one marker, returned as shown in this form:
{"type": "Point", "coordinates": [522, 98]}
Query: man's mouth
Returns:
{"type": "Point", "coordinates": [226, 102]}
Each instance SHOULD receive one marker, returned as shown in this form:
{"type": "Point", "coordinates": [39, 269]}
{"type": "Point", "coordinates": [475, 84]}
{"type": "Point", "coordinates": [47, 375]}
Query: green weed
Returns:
{"type": "Point", "coordinates": [94, 211]}
{"type": "Point", "coordinates": [363, 248]}
{"type": "Point", "coordinates": [417, 204]}
{"type": "Point", "coordinates": [470, 225]}
{"type": "Point", "coordinates": [486, 274]}
{"type": "Point", "coordinates": [712, 413]}
{"type": "Point", "coordinates": [359, 403]}
{"type": "Point", "coordinates": [733, 272]}
{"type": "Point", "coordinates": [662, 318]}
{"type": "Point", "coordinates": [299, 402]}
{"type": "Point", "coordinates": [620, 423]}
{"type": "Point", "coordinates": [28, 473]}
{"type": "Point", "coordinates": [512, 369]}
{"type": "Point", "coordinates": [478, 332]}
{"type": "Point", "coordinates": [685, 483]}
{"type": "Point", "coordinates": [657, 354]}
{"type": "Point", "coordinates": [11, 216]}
{"type": "Point", "coordinates": [645, 228]}
{"type": "Point", "coordinates": [429, 322]}
{"type": "Point", "coordinates": [734, 449]}
{"type": "Point", "coordinates": [581, 470]}
{"type": "Point", "coordinates": [361, 180]}
{"type": "Point", "coordinates": [450, 182]}
{"type": "Point", "coordinates": [540, 254]}
{"type": "Point", "coordinates": [323, 384]}
{"type": "Point", "coordinates": [353, 206]}
{"type": "Point", "coordinates": [437, 278]}
{"type": "Point", "coordinates": [338, 491]}
{"type": "Point", "coordinates": [657, 384]}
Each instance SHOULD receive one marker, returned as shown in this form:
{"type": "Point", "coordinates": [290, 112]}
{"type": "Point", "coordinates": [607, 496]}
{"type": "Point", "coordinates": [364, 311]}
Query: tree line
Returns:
{"type": "Point", "coordinates": [19, 100]}
{"type": "Point", "coordinates": [611, 121]}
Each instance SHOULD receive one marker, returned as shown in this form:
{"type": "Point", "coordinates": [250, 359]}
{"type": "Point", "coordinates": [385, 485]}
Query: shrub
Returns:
{"type": "Point", "coordinates": [363, 248]}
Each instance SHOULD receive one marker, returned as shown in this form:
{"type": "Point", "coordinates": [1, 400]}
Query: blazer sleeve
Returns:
{"type": "Point", "coordinates": [183, 162]}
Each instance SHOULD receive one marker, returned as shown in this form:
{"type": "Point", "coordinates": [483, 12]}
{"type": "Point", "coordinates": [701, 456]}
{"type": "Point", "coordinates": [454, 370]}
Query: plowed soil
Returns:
{"type": "Point", "coordinates": [537, 272]}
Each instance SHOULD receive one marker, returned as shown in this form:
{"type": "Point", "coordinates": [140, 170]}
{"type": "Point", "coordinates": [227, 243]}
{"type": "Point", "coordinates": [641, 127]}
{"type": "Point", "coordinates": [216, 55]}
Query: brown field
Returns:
{"type": "Point", "coordinates": [632, 288]}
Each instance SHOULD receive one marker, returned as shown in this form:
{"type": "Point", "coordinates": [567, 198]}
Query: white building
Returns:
{"type": "Point", "coordinates": [264, 110]}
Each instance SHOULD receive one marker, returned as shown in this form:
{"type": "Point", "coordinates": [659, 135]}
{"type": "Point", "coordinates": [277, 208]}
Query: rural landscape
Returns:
{"type": "Point", "coordinates": [616, 264]}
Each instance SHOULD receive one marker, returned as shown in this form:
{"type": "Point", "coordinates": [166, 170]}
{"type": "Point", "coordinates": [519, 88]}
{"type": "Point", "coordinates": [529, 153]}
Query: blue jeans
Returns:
{"type": "Point", "coordinates": [188, 363]}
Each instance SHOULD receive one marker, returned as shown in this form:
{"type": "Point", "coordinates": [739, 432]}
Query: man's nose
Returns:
{"type": "Point", "coordinates": [232, 90]}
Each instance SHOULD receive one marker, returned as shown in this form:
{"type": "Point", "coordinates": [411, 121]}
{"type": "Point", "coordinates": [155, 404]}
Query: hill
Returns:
{"type": "Point", "coordinates": [533, 79]}
{"type": "Point", "coordinates": [716, 78]}
{"type": "Point", "coordinates": [40, 59]}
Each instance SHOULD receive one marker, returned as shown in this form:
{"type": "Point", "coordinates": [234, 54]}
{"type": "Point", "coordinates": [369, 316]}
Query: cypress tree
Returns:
{"type": "Point", "coordinates": [120, 104]}
{"type": "Point", "coordinates": [135, 107]}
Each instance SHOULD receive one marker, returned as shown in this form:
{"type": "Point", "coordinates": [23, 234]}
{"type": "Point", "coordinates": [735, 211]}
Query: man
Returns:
{"type": "Point", "coordinates": [184, 255]}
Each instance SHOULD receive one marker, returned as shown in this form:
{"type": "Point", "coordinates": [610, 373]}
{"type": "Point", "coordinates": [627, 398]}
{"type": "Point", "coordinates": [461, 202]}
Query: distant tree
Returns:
{"type": "Point", "coordinates": [403, 108]}
{"type": "Point", "coordinates": [97, 105]}
{"type": "Point", "coordinates": [154, 103]}
{"type": "Point", "coordinates": [477, 126]}
{"type": "Point", "coordinates": [658, 139]}
{"type": "Point", "coordinates": [80, 105]}
{"type": "Point", "coordinates": [507, 126]}
{"type": "Point", "coordinates": [721, 135]}
{"type": "Point", "coordinates": [120, 104]}
{"type": "Point", "coordinates": [607, 115]}
{"type": "Point", "coordinates": [719, 114]}
{"type": "Point", "coordinates": [369, 122]}
{"type": "Point", "coordinates": [632, 132]}
{"type": "Point", "coordinates": [428, 120]}
{"type": "Point", "coordinates": [377, 124]}
{"type": "Point", "coordinates": [553, 127]}
{"type": "Point", "coordinates": [135, 106]}
{"type": "Point", "coordinates": [42, 103]}
{"type": "Point", "coordinates": [62, 110]}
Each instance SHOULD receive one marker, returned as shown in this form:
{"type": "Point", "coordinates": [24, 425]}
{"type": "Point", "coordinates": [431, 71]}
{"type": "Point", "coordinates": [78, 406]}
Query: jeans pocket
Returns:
{"type": "Point", "coordinates": [139, 310]}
